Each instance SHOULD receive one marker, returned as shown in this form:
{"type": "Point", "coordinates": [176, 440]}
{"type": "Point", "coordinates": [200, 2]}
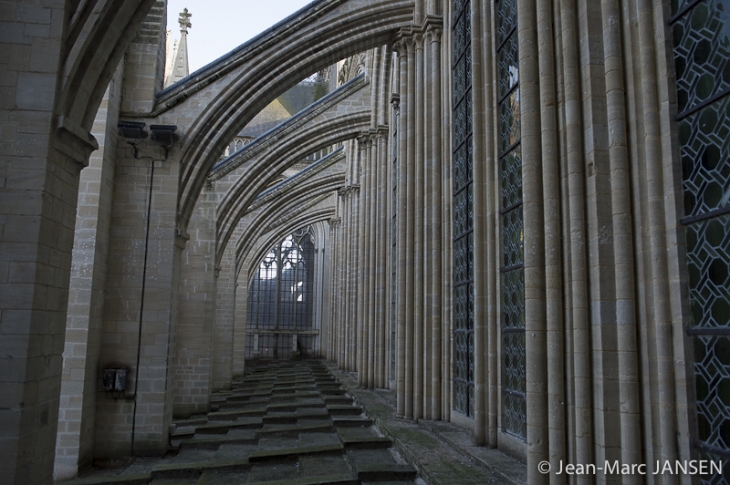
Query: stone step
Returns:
{"type": "Point", "coordinates": [379, 473]}
{"type": "Point", "coordinates": [349, 422]}
{"type": "Point", "coordinates": [344, 410]}
{"type": "Point", "coordinates": [215, 443]}
{"type": "Point", "coordinates": [269, 455]}
{"type": "Point", "coordinates": [294, 431]}
{"type": "Point", "coordinates": [344, 479]}
{"type": "Point", "coordinates": [369, 443]}
{"type": "Point", "coordinates": [232, 415]}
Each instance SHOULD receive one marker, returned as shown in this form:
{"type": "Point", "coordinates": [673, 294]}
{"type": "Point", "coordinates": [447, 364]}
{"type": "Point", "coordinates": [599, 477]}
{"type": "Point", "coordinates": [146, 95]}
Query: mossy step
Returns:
{"type": "Point", "coordinates": [288, 453]}
{"type": "Point", "coordinates": [337, 400]}
{"type": "Point", "coordinates": [385, 472]}
{"type": "Point", "coordinates": [318, 480]}
{"type": "Point", "coordinates": [131, 479]}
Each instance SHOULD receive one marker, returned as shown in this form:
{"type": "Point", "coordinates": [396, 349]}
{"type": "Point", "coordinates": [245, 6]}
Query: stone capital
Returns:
{"type": "Point", "coordinates": [433, 27]}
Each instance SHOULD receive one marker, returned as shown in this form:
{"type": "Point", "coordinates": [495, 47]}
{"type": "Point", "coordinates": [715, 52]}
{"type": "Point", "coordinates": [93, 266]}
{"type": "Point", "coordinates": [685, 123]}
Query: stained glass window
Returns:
{"type": "Point", "coordinates": [701, 31]}
{"type": "Point", "coordinates": [462, 168]}
{"type": "Point", "coordinates": [281, 300]}
{"type": "Point", "coordinates": [514, 413]}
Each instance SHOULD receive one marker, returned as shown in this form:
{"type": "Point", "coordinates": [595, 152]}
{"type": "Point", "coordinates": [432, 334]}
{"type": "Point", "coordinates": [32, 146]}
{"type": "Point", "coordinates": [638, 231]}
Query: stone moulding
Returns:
{"type": "Point", "coordinates": [309, 172]}
{"type": "Point", "coordinates": [75, 142]}
{"type": "Point", "coordinates": [273, 136]}
{"type": "Point", "coordinates": [295, 211]}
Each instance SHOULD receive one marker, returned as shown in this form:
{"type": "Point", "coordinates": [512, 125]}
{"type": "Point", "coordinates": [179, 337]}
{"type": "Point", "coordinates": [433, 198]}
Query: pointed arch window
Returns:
{"type": "Point", "coordinates": [281, 299]}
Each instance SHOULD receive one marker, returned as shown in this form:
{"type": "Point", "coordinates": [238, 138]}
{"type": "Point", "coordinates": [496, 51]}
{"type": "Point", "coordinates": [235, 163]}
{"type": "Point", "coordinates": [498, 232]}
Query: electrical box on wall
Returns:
{"type": "Point", "coordinates": [115, 379]}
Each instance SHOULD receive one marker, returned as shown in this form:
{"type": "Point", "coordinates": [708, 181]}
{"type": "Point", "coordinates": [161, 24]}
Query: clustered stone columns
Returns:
{"type": "Point", "coordinates": [599, 321]}
{"type": "Point", "coordinates": [422, 332]}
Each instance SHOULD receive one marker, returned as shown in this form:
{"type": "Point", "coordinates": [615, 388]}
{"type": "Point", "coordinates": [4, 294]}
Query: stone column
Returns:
{"type": "Point", "coordinates": [225, 309]}
{"type": "Point", "coordinates": [534, 247]}
{"type": "Point", "coordinates": [553, 236]}
{"type": "Point", "coordinates": [362, 311]}
{"type": "Point", "coordinates": [192, 375]}
{"type": "Point", "coordinates": [401, 284]}
{"type": "Point", "coordinates": [409, 212]}
{"type": "Point", "coordinates": [371, 256]}
{"type": "Point", "coordinates": [666, 331]}
{"type": "Point", "coordinates": [418, 230]}
{"type": "Point", "coordinates": [140, 317]}
{"type": "Point", "coordinates": [75, 436]}
{"type": "Point", "coordinates": [240, 326]}
{"type": "Point", "coordinates": [579, 369]}
{"type": "Point", "coordinates": [433, 235]}
{"type": "Point", "coordinates": [382, 251]}
{"type": "Point", "coordinates": [626, 346]}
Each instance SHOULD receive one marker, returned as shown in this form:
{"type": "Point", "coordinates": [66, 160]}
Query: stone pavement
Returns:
{"type": "Point", "coordinates": [293, 422]}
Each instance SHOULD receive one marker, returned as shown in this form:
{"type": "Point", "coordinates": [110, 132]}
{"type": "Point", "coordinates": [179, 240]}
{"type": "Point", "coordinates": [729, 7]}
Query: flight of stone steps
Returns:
{"type": "Point", "coordinates": [285, 422]}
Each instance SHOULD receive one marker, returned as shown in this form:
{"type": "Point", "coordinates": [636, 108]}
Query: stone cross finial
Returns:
{"type": "Point", "coordinates": [185, 21]}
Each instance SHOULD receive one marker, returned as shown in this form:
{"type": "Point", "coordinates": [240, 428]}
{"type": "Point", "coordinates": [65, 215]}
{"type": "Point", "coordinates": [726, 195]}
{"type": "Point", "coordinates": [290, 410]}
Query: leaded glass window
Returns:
{"type": "Point", "coordinates": [281, 300]}
{"type": "Point", "coordinates": [462, 170]}
{"type": "Point", "coordinates": [702, 62]}
{"type": "Point", "coordinates": [514, 404]}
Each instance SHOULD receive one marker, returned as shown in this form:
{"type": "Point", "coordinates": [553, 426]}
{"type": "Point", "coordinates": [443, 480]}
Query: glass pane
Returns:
{"type": "Point", "coordinates": [702, 52]}
{"type": "Point", "coordinates": [708, 258]}
{"type": "Point", "coordinates": [512, 178]}
{"type": "Point", "coordinates": [509, 121]}
{"type": "Point", "coordinates": [705, 138]}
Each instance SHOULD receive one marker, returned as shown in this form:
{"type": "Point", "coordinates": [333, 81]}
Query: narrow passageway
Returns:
{"type": "Point", "coordinates": [304, 422]}
{"type": "Point", "coordinates": [285, 422]}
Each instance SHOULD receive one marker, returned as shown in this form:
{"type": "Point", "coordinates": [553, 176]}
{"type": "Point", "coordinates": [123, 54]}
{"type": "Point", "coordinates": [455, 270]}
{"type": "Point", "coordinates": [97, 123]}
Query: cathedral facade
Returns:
{"type": "Point", "coordinates": [514, 214]}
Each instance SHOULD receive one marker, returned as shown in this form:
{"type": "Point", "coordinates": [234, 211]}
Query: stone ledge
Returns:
{"type": "Point", "coordinates": [438, 460]}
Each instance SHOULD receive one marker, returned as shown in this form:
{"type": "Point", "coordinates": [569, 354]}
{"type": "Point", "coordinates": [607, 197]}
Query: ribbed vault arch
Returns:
{"type": "Point", "coordinates": [258, 72]}
{"type": "Point", "coordinates": [305, 194]}
{"type": "Point", "coordinates": [98, 33]}
{"type": "Point", "coordinates": [301, 143]}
